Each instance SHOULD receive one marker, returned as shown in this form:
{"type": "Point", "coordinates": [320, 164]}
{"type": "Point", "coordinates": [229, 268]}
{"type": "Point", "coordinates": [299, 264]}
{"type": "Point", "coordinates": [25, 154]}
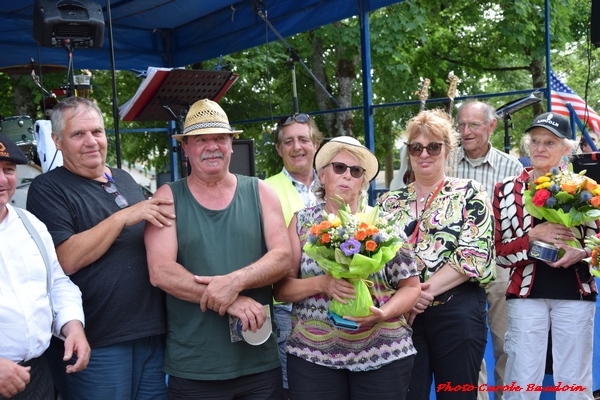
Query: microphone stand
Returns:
{"type": "Point", "coordinates": [508, 109]}
{"type": "Point", "coordinates": [292, 59]}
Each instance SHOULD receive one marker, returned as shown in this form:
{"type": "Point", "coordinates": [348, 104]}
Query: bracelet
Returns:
{"type": "Point", "coordinates": [588, 252]}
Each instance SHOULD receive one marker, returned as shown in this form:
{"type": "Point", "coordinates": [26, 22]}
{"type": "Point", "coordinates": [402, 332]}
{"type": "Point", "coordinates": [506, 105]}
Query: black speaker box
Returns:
{"type": "Point", "coordinates": [77, 23]}
{"type": "Point", "coordinates": [595, 23]}
{"type": "Point", "coordinates": [242, 158]}
{"type": "Point", "coordinates": [590, 162]}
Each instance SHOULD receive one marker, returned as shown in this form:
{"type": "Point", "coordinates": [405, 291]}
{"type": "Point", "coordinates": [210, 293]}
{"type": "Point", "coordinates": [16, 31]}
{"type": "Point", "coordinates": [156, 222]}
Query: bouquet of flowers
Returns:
{"type": "Point", "coordinates": [353, 246]}
{"type": "Point", "coordinates": [564, 197]}
{"type": "Point", "coordinates": [593, 242]}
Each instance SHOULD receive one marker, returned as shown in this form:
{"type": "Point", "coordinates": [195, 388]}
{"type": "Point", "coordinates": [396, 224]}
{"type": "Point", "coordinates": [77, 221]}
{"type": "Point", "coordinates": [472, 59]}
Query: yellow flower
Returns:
{"type": "Point", "coordinates": [542, 179]}
{"type": "Point", "coordinates": [544, 185]}
{"type": "Point", "coordinates": [336, 222]}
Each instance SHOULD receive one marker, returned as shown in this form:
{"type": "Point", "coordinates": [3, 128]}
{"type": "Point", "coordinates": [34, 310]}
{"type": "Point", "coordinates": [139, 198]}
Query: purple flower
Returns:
{"type": "Point", "coordinates": [554, 171]}
{"type": "Point", "coordinates": [350, 247]}
{"type": "Point", "coordinates": [313, 239]}
{"type": "Point", "coordinates": [554, 188]}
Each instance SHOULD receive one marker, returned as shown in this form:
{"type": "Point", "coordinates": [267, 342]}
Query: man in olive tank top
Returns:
{"type": "Point", "coordinates": [218, 260]}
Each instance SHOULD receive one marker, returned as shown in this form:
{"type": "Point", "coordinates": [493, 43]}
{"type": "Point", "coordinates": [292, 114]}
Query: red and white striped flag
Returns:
{"type": "Point", "coordinates": [562, 94]}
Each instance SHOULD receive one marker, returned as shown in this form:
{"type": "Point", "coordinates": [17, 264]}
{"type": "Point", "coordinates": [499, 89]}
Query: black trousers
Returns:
{"type": "Point", "coordinates": [310, 381]}
{"type": "Point", "coordinates": [450, 340]}
{"type": "Point", "coordinates": [40, 386]}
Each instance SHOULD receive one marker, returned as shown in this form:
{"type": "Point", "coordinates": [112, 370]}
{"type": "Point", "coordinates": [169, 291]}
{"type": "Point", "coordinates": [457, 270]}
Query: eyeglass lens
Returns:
{"type": "Point", "coordinates": [433, 149]}
{"type": "Point", "coordinates": [301, 118]}
{"type": "Point", "coordinates": [110, 187]}
{"type": "Point", "coordinates": [355, 170]}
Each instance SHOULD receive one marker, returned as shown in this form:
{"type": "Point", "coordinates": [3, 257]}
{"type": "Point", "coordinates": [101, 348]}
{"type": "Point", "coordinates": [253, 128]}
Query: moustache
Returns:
{"type": "Point", "coordinates": [211, 155]}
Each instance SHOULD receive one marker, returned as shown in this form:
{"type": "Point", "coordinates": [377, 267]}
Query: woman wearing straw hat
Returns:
{"type": "Point", "coordinates": [325, 362]}
{"type": "Point", "coordinates": [450, 223]}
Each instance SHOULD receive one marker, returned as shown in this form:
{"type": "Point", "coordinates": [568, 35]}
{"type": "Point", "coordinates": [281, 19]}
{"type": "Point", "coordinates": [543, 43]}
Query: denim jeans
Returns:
{"type": "Point", "coordinates": [130, 370]}
{"type": "Point", "coordinates": [283, 318]}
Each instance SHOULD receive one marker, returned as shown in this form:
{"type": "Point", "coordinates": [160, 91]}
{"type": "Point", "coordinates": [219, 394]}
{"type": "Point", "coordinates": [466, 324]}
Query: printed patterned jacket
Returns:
{"type": "Point", "coordinates": [512, 242]}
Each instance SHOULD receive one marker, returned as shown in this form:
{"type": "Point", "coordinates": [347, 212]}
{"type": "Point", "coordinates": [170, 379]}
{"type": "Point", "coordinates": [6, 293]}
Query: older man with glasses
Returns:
{"type": "Point", "coordinates": [297, 139]}
{"type": "Point", "coordinates": [477, 159]}
{"type": "Point", "coordinates": [96, 216]}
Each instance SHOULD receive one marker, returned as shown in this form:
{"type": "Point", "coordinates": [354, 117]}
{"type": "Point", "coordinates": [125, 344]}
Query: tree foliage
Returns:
{"type": "Point", "coordinates": [493, 46]}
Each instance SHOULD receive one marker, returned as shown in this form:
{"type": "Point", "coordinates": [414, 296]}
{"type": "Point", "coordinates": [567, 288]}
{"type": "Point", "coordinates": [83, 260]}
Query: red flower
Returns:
{"type": "Point", "coordinates": [540, 197]}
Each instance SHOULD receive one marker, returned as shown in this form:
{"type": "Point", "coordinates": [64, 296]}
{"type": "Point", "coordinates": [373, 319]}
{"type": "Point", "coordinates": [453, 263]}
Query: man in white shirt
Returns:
{"type": "Point", "coordinates": [30, 294]}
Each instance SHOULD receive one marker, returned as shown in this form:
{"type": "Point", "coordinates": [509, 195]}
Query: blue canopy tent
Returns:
{"type": "Point", "coordinates": [175, 33]}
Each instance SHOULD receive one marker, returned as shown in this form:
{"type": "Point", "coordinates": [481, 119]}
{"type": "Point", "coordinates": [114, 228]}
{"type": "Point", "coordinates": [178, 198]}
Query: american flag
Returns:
{"type": "Point", "coordinates": [562, 94]}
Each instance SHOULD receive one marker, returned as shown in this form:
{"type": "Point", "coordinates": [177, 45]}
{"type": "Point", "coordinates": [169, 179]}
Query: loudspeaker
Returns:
{"type": "Point", "coordinates": [242, 158]}
{"type": "Point", "coordinates": [595, 23]}
{"type": "Point", "coordinates": [588, 162]}
{"type": "Point", "coordinates": [77, 23]}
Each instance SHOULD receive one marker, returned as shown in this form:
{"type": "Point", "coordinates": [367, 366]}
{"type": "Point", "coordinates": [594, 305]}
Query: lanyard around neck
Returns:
{"type": "Point", "coordinates": [415, 234]}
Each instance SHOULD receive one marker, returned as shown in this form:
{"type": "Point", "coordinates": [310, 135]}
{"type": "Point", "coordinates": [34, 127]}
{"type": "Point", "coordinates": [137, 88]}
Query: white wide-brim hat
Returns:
{"type": "Point", "coordinates": [335, 145]}
{"type": "Point", "coordinates": [206, 117]}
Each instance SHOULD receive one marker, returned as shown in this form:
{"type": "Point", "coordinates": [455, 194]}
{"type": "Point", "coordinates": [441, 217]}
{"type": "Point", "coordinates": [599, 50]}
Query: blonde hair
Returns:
{"type": "Point", "coordinates": [434, 124]}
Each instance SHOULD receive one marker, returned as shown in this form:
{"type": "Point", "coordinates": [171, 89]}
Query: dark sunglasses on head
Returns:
{"type": "Point", "coordinates": [340, 169]}
{"type": "Point", "coordinates": [433, 149]}
{"type": "Point", "coordinates": [301, 118]}
{"type": "Point", "coordinates": [110, 187]}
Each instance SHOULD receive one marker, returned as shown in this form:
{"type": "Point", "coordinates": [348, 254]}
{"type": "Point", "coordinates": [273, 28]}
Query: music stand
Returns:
{"type": "Point", "coordinates": [180, 89]}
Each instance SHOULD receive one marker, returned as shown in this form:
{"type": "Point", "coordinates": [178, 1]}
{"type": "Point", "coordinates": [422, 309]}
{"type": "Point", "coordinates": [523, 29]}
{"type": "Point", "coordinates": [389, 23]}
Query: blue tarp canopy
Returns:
{"type": "Point", "coordinates": [172, 33]}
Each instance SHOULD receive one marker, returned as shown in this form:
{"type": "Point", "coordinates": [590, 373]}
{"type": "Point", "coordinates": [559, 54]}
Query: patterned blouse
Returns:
{"type": "Point", "coordinates": [315, 340]}
{"type": "Point", "coordinates": [513, 224]}
{"type": "Point", "coordinates": [457, 229]}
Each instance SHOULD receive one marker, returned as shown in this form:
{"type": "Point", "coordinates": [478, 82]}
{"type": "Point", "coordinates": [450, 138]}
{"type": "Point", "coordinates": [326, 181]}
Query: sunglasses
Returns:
{"type": "Point", "coordinates": [110, 187]}
{"type": "Point", "coordinates": [340, 169]}
{"type": "Point", "coordinates": [433, 149]}
{"type": "Point", "coordinates": [301, 118]}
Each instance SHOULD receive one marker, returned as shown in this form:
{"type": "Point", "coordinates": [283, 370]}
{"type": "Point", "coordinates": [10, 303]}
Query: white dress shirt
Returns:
{"type": "Point", "coordinates": [25, 314]}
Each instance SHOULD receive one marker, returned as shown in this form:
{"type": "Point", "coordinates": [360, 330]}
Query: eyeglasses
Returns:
{"type": "Point", "coordinates": [473, 126]}
{"type": "Point", "coordinates": [110, 187]}
{"type": "Point", "coordinates": [301, 118]}
{"type": "Point", "coordinates": [433, 149]}
{"type": "Point", "coordinates": [340, 169]}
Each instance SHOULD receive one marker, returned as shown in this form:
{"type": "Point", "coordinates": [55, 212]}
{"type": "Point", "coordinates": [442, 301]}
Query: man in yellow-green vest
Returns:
{"type": "Point", "coordinates": [297, 140]}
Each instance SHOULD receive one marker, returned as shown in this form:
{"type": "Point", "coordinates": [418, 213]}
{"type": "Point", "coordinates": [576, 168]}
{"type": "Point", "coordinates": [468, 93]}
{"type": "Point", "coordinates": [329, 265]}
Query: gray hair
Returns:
{"type": "Point", "coordinates": [70, 103]}
{"type": "Point", "coordinates": [489, 112]}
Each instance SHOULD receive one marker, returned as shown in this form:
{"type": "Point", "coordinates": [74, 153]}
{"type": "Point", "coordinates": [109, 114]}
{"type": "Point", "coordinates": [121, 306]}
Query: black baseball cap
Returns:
{"type": "Point", "coordinates": [558, 124]}
{"type": "Point", "coordinates": [9, 151]}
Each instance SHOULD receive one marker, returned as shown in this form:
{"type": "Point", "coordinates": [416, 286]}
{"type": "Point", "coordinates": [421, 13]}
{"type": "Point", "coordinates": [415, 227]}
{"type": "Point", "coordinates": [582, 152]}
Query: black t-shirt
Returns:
{"type": "Point", "coordinates": [119, 302]}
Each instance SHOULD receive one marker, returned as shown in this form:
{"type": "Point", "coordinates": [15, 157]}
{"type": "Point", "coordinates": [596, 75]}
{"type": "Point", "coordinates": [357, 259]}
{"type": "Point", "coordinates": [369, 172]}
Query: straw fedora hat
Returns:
{"type": "Point", "coordinates": [335, 145]}
{"type": "Point", "coordinates": [206, 117]}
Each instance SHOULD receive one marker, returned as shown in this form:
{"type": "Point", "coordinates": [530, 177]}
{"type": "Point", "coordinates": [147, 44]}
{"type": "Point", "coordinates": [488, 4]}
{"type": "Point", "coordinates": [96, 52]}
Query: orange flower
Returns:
{"type": "Point", "coordinates": [324, 225]}
{"type": "Point", "coordinates": [370, 245]}
{"type": "Point", "coordinates": [595, 201]}
{"type": "Point", "coordinates": [372, 230]}
{"type": "Point", "coordinates": [326, 238]}
{"type": "Point", "coordinates": [361, 234]}
{"type": "Point", "coordinates": [569, 186]}
{"type": "Point", "coordinates": [314, 230]}
{"type": "Point", "coordinates": [595, 257]}
{"type": "Point", "coordinates": [591, 185]}
{"type": "Point", "coordinates": [363, 225]}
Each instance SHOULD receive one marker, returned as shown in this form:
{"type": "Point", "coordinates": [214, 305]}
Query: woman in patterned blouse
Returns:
{"type": "Point", "coordinates": [449, 221]}
{"type": "Point", "coordinates": [545, 296]}
{"type": "Point", "coordinates": [325, 362]}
